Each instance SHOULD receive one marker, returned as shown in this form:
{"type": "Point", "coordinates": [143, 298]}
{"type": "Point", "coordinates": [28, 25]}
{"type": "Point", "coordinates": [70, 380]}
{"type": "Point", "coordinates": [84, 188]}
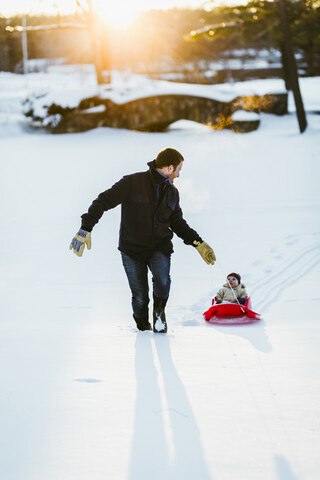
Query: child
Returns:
{"type": "Point", "coordinates": [231, 290]}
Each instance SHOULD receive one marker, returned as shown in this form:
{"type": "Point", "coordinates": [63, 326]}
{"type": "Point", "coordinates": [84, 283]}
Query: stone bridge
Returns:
{"type": "Point", "coordinates": [156, 113]}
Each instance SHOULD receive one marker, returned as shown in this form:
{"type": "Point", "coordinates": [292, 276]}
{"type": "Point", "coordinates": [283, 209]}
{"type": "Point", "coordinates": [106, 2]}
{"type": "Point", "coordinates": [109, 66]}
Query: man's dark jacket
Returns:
{"type": "Point", "coordinates": [150, 213]}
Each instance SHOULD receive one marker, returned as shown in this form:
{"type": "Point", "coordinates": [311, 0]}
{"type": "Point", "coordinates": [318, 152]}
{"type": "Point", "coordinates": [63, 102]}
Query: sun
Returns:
{"type": "Point", "coordinates": [119, 14]}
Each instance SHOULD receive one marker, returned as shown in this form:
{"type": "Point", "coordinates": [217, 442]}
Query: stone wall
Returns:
{"type": "Point", "coordinates": [156, 113]}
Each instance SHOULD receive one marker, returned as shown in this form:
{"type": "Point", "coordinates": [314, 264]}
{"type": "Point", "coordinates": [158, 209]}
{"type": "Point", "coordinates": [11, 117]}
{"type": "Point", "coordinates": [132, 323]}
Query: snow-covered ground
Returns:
{"type": "Point", "coordinates": [67, 85]}
{"type": "Point", "coordinates": [83, 395]}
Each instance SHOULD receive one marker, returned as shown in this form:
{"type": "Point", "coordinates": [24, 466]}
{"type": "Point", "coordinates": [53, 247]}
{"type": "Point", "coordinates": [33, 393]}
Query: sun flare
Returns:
{"type": "Point", "coordinates": [118, 14]}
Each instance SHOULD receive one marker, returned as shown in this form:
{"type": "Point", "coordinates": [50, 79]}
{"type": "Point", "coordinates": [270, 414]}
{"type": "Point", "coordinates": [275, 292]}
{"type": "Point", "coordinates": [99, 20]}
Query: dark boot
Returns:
{"type": "Point", "coordinates": [142, 323]}
{"type": "Point", "coordinates": [159, 316]}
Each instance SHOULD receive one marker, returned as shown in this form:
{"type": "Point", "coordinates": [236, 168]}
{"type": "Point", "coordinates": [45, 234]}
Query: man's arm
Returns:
{"type": "Point", "coordinates": [108, 199]}
{"type": "Point", "coordinates": [181, 228]}
{"type": "Point", "coordinates": [190, 237]}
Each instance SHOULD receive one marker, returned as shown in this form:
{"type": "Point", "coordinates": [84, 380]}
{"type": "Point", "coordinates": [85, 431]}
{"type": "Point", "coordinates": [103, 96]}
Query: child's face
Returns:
{"type": "Point", "coordinates": [233, 281]}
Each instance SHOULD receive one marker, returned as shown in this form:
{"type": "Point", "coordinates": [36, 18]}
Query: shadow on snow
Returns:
{"type": "Point", "coordinates": [166, 440]}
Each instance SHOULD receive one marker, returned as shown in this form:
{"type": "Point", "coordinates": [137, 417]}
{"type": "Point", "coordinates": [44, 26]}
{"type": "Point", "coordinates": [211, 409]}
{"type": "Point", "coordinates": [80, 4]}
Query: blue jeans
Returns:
{"type": "Point", "coordinates": [137, 273]}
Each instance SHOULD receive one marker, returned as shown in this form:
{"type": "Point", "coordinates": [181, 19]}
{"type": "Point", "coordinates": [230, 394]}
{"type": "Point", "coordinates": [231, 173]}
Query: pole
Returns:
{"type": "Point", "coordinates": [291, 66]}
{"type": "Point", "coordinates": [24, 45]}
{"type": "Point", "coordinates": [95, 40]}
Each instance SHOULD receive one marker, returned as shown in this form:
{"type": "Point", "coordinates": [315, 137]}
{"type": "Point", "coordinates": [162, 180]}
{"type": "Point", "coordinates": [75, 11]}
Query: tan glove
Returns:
{"type": "Point", "coordinates": [78, 242]}
{"type": "Point", "coordinates": [206, 252]}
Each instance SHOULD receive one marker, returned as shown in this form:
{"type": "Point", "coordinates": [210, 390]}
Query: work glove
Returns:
{"type": "Point", "coordinates": [78, 242]}
{"type": "Point", "coordinates": [205, 251]}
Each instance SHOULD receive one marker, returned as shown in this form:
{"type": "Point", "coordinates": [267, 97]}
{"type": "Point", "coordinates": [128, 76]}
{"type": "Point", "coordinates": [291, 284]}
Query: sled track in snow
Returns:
{"type": "Point", "coordinates": [289, 273]}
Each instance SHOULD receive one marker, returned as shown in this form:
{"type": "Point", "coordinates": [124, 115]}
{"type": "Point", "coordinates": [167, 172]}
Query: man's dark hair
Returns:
{"type": "Point", "coordinates": [167, 157]}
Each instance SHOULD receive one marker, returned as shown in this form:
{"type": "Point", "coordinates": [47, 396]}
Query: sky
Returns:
{"type": "Point", "coordinates": [22, 6]}
{"type": "Point", "coordinates": [120, 13]}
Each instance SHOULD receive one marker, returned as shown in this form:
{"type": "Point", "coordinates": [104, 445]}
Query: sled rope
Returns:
{"type": "Point", "coordinates": [212, 282]}
{"type": "Point", "coordinates": [235, 296]}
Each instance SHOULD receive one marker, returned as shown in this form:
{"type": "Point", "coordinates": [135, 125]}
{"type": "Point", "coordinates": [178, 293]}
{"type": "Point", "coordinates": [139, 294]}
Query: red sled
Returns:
{"type": "Point", "coordinates": [231, 313]}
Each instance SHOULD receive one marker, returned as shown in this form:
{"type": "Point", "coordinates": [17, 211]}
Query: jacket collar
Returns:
{"type": "Point", "coordinates": [156, 175]}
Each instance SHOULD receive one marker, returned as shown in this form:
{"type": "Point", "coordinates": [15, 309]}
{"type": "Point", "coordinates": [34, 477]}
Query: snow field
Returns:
{"type": "Point", "coordinates": [83, 394]}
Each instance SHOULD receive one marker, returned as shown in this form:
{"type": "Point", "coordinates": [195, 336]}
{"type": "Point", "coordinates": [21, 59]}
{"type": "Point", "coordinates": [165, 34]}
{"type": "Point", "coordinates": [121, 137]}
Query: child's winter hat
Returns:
{"type": "Point", "coordinates": [235, 275]}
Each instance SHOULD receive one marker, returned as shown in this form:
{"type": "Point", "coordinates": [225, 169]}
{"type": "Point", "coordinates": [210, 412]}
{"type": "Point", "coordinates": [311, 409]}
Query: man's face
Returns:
{"type": "Point", "coordinates": [175, 173]}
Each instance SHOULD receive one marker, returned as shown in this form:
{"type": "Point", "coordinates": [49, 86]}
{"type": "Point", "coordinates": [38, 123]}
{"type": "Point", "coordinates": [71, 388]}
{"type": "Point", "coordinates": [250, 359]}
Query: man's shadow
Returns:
{"type": "Point", "coordinates": [161, 413]}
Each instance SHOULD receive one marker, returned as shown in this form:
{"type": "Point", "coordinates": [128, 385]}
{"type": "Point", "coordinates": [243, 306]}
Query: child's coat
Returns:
{"type": "Point", "coordinates": [225, 293]}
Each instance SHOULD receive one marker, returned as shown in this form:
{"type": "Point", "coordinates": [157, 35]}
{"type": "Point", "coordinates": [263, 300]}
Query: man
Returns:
{"type": "Point", "coordinates": [150, 214]}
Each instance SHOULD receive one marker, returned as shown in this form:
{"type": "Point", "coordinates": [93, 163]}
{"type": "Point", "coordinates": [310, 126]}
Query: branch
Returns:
{"type": "Point", "coordinates": [212, 28]}
{"type": "Point", "coordinates": [38, 28]}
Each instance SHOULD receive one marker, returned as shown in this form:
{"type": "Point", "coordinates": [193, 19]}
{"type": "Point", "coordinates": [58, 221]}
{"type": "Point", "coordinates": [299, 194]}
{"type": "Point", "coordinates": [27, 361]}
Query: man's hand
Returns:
{"type": "Point", "coordinates": [206, 252]}
{"type": "Point", "coordinates": [78, 242]}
